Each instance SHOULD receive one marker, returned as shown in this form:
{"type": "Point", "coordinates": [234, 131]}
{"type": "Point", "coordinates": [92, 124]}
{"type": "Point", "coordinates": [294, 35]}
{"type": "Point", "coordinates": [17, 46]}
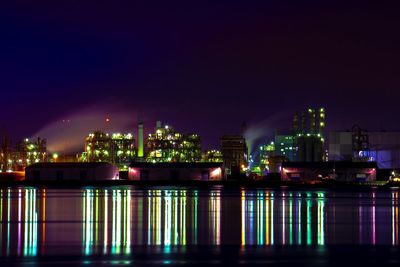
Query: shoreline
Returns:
{"type": "Point", "coordinates": [232, 184]}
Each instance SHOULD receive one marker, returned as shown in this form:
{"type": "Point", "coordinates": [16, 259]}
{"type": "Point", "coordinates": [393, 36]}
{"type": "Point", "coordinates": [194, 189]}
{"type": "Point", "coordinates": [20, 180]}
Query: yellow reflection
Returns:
{"type": "Point", "coordinates": [167, 218]}
{"type": "Point", "coordinates": [215, 216]}
{"type": "Point", "coordinates": [395, 218]}
{"type": "Point", "coordinates": [257, 219]}
{"type": "Point", "coordinates": [243, 213]}
{"type": "Point", "coordinates": [97, 210]}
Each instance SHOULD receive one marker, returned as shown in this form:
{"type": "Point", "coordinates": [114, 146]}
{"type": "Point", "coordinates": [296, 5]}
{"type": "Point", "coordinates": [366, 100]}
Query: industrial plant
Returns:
{"type": "Point", "coordinates": [303, 152]}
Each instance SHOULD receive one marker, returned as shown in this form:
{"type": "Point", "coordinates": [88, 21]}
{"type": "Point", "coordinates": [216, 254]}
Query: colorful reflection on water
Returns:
{"type": "Point", "coordinates": [114, 221]}
{"type": "Point", "coordinates": [296, 219]}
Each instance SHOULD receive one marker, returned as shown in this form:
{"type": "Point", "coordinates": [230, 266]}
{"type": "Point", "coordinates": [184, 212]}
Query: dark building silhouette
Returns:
{"type": "Point", "coordinates": [234, 152]}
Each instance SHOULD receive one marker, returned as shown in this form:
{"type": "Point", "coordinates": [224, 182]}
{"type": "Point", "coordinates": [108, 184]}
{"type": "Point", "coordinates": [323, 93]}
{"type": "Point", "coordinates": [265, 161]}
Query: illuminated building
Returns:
{"type": "Point", "coordinates": [122, 150]}
{"type": "Point", "coordinates": [29, 152]}
{"type": "Point", "coordinates": [308, 130]}
{"type": "Point", "coordinates": [98, 147]}
{"type": "Point", "coordinates": [117, 148]}
{"type": "Point", "coordinates": [285, 145]}
{"type": "Point", "coordinates": [6, 159]}
{"type": "Point", "coordinates": [212, 156]}
{"type": "Point", "coordinates": [235, 153]}
{"type": "Point", "coordinates": [266, 152]}
{"type": "Point", "coordinates": [167, 145]}
{"type": "Point", "coordinates": [311, 121]}
{"type": "Point", "coordinates": [304, 144]}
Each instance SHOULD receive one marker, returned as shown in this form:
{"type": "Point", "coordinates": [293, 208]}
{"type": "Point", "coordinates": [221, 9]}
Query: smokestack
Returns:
{"type": "Point", "coordinates": [140, 153]}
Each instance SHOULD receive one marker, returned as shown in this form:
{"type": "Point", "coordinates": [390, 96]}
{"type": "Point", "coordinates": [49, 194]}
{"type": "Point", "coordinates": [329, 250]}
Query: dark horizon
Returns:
{"type": "Point", "coordinates": [201, 68]}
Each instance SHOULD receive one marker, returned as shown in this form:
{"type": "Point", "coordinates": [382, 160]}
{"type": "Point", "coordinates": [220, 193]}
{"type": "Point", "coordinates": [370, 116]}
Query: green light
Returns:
{"type": "Point", "coordinates": [309, 230]}
{"type": "Point", "coordinates": [291, 220]}
{"type": "Point", "coordinates": [299, 221]}
{"type": "Point", "coordinates": [283, 220]}
{"type": "Point", "coordinates": [195, 216]}
{"type": "Point", "coordinates": [8, 220]}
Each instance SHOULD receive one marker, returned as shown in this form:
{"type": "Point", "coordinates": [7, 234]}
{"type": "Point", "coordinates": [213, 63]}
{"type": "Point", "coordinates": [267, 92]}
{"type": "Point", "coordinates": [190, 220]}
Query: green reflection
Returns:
{"type": "Point", "coordinates": [167, 218]}
{"type": "Point", "coordinates": [321, 222]}
{"type": "Point", "coordinates": [258, 218]}
{"type": "Point", "coordinates": [309, 220]}
{"type": "Point", "coordinates": [97, 211]}
{"type": "Point", "coordinates": [257, 212]}
{"type": "Point", "coordinates": [30, 223]}
{"type": "Point", "coordinates": [194, 216]}
{"type": "Point", "coordinates": [8, 220]}
{"type": "Point", "coordinates": [291, 220]}
{"type": "Point", "coordinates": [298, 208]}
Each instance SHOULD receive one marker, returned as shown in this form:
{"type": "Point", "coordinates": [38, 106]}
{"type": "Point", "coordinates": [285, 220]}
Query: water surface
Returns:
{"type": "Point", "coordinates": [165, 225]}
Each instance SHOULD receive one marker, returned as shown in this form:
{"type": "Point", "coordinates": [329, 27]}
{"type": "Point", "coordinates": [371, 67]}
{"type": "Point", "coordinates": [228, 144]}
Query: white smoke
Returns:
{"type": "Point", "coordinates": [67, 134]}
{"type": "Point", "coordinates": [266, 129]}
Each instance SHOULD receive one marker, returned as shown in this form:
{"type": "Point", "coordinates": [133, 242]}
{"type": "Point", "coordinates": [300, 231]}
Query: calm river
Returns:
{"type": "Point", "coordinates": [165, 225]}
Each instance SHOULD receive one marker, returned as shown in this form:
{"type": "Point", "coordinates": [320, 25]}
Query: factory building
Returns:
{"type": "Point", "coordinates": [168, 145]}
{"type": "Point", "coordinates": [78, 171]}
{"type": "Point", "coordinates": [310, 148]}
{"type": "Point", "coordinates": [311, 121]}
{"type": "Point", "coordinates": [343, 171]}
{"type": "Point", "coordinates": [118, 149]}
{"type": "Point", "coordinates": [266, 153]}
{"type": "Point", "coordinates": [361, 145]}
{"type": "Point", "coordinates": [212, 156]}
{"type": "Point", "coordinates": [305, 143]}
{"type": "Point", "coordinates": [285, 145]}
{"type": "Point", "coordinates": [308, 128]}
{"type": "Point", "coordinates": [176, 171]}
{"type": "Point", "coordinates": [235, 153]}
{"type": "Point", "coordinates": [28, 152]}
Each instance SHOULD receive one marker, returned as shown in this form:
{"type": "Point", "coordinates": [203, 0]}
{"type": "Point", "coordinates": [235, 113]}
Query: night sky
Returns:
{"type": "Point", "coordinates": [201, 66]}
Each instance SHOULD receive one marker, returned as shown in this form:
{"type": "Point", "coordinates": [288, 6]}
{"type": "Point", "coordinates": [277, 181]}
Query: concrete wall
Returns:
{"type": "Point", "coordinates": [102, 172]}
{"type": "Point", "coordinates": [343, 175]}
{"type": "Point", "coordinates": [180, 173]}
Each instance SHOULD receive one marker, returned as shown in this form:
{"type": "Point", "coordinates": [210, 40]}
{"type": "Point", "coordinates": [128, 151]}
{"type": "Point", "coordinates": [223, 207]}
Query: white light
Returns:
{"type": "Point", "coordinates": [216, 172]}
